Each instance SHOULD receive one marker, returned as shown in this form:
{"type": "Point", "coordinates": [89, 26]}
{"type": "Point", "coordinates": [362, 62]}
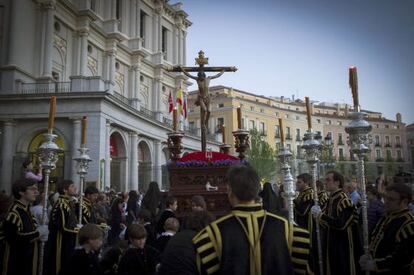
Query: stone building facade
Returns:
{"type": "Point", "coordinates": [104, 59]}
{"type": "Point", "coordinates": [389, 153]}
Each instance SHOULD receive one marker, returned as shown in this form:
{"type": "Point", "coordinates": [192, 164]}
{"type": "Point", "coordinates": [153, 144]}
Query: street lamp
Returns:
{"type": "Point", "coordinates": [327, 158]}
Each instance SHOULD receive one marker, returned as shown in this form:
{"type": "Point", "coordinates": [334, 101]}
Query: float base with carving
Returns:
{"type": "Point", "coordinates": [197, 173]}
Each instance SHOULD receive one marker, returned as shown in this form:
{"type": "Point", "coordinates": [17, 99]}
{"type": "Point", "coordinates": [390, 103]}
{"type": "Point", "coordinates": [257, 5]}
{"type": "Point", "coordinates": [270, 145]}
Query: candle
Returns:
{"type": "Point", "coordinates": [223, 133]}
{"type": "Point", "coordinates": [84, 123]}
{"type": "Point", "coordinates": [239, 118]}
{"type": "Point", "coordinates": [308, 113]}
{"type": "Point", "coordinates": [52, 112]}
{"type": "Point", "coordinates": [175, 119]}
{"type": "Point", "coordinates": [353, 83]}
{"type": "Point", "coordinates": [282, 135]}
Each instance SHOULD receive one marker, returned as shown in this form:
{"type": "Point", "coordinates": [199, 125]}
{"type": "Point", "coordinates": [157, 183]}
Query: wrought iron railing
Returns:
{"type": "Point", "coordinates": [147, 113]}
{"type": "Point", "coordinates": [44, 88]}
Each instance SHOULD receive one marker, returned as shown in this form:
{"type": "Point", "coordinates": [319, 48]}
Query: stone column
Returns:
{"type": "Point", "coordinates": [156, 97]}
{"type": "Point", "coordinates": [180, 46]}
{"type": "Point", "coordinates": [83, 56]}
{"type": "Point", "coordinates": [108, 155]}
{"type": "Point", "coordinates": [133, 179]}
{"type": "Point", "coordinates": [111, 64]}
{"type": "Point", "coordinates": [184, 48]}
{"type": "Point", "coordinates": [12, 57]}
{"type": "Point", "coordinates": [48, 46]}
{"type": "Point", "coordinates": [76, 142]}
{"type": "Point", "coordinates": [157, 163]}
{"type": "Point", "coordinates": [159, 30]}
{"type": "Point", "coordinates": [110, 69]}
{"type": "Point", "coordinates": [175, 46]}
{"type": "Point", "coordinates": [7, 157]}
{"type": "Point", "coordinates": [136, 84]}
{"type": "Point", "coordinates": [138, 14]}
{"type": "Point", "coordinates": [133, 18]}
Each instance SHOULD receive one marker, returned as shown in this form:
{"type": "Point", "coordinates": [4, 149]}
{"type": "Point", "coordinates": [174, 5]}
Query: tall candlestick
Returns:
{"type": "Point", "coordinates": [175, 119]}
{"type": "Point", "coordinates": [282, 135]}
{"type": "Point", "coordinates": [308, 113]}
{"type": "Point", "coordinates": [353, 83]}
{"type": "Point", "coordinates": [239, 118]}
{"type": "Point", "coordinates": [223, 133]}
{"type": "Point", "coordinates": [84, 123]}
{"type": "Point", "coordinates": [52, 112]}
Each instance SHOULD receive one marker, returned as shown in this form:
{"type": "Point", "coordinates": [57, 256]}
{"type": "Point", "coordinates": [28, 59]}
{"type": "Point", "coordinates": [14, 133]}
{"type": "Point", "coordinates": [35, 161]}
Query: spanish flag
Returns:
{"type": "Point", "coordinates": [180, 101]}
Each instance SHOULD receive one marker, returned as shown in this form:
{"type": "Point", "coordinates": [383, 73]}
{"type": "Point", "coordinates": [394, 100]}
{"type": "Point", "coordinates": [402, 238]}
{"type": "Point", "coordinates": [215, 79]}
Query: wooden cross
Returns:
{"type": "Point", "coordinates": [203, 99]}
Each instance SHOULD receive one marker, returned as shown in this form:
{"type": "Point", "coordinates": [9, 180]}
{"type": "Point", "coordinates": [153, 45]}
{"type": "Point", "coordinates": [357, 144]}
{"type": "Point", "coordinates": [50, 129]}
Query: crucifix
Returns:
{"type": "Point", "coordinates": [203, 81]}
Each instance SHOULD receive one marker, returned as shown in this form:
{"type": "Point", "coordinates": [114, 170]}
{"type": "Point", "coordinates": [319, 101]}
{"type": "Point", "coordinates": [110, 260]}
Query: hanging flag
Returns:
{"type": "Point", "coordinates": [179, 101]}
{"type": "Point", "coordinates": [170, 103]}
{"type": "Point", "coordinates": [185, 106]}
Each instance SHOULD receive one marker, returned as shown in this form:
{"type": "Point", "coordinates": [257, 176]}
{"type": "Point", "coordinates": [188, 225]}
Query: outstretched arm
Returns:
{"type": "Point", "coordinates": [187, 74]}
{"type": "Point", "coordinates": [217, 75]}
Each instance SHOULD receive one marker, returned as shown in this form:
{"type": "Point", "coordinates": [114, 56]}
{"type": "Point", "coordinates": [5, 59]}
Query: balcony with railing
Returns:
{"type": "Point", "coordinates": [379, 159]}
{"type": "Point", "coordinates": [377, 144]}
{"type": "Point", "coordinates": [45, 88]}
{"type": "Point", "coordinates": [288, 137]}
{"type": "Point", "coordinates": [147, 113]}
{"type": "Point", "coordinates": [340, 142]}
{"type": "Point", "coordinates": [398, 145]}
{"type": "Point", "coordinates": [400, 159]}
{"type": "Point", "coordinates": [277, 135]}
{"type": "Point", "coordinates": [388, 145]}
{"type": "Point", "coordinates": [298, 138]}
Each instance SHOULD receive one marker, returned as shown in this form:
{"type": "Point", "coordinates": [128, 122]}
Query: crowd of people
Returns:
{"type": "Point", "coordinates": [134, 233]}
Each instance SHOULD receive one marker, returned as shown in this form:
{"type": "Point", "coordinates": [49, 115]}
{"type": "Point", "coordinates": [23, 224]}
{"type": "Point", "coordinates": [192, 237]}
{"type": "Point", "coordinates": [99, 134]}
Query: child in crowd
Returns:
{"type": "Point", "coordinates": [139, 257]}
{"type": "Point", "coordinates": [85, 259]}
{"type": "Point", "coordinates": [171, 227]}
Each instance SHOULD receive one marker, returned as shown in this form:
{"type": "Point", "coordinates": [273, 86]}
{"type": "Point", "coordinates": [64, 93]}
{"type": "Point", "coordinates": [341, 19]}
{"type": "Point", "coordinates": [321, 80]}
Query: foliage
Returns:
{"type": "Point", "coordinates": [262, 156]}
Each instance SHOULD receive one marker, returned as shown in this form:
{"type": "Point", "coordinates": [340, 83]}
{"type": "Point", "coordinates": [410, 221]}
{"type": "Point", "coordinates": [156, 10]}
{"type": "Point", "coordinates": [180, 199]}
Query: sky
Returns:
{"type": "Point", "coordinates": [305, 48]}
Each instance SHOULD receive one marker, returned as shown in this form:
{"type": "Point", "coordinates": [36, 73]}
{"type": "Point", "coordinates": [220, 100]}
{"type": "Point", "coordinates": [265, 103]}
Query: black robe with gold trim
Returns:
{"type": "Point", "coordinates": [343, 244]}
{"type": "Point", "coordinates": [303, 217]}
{"type": "Point", "coordinates": [323, 198]}
{"type": "Point", "coordinates": [63, 233]}
{"type": "Point", "coordinates": [252, 241]}
{"type": "Point", "coordinates": [22, 237]}
{"type": "Point", "coordinates": [303, 204]}
{"type": "Point", "coordinates": [88, 214]}
{"type": "Point", "coordinates": [392, 243]}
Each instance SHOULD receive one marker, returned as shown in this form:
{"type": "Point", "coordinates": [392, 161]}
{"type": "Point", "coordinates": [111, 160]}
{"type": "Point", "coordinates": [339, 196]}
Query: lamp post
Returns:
{"type": "Point", "coordinates": [48, 153]}
{"type": "Point", "coordinates": [313, 147]}
{"type": "Point", "coordinates": [327, 160]}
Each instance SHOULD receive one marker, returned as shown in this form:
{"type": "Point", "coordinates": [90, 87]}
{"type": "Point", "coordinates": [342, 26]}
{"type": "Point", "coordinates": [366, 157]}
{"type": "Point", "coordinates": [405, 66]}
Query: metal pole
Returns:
{"type": "Point", "coordinates": [288, 186]}
{"type": "Point", "coordinates": [313, 150]}
{"type": "Point", "coordinates": [83, 166]}
{"type": "Point", "coordinates": [359, 142]}
{"type": "Point", "coordinates": [48, 153]}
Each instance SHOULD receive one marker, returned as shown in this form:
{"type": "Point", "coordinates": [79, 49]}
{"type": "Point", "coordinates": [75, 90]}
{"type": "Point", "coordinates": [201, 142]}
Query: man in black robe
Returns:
{"type": "Point", "coordinates": [63, 228]}
{"type": "Point", "coordinates": [340, 220]}
{"type": "Point", "coordinates": [88, 211]}
{"type": "Point", "coordinates": [392, 241]}
{"type": "Point", "coordinates": [250, 240]}
{"type": "Point", "coordinates": [21, 232]}
{"type": "Point", "coordinates": [304, 202]}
